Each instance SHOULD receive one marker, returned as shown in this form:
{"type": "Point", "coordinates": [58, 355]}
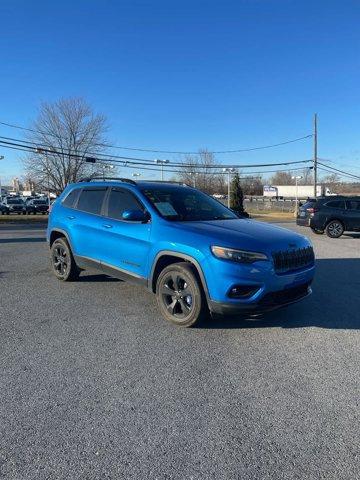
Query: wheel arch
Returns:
{"type": "Point", "coordinates": [58, 233]}
{"type": "Point", "coordinates": [168, 257]}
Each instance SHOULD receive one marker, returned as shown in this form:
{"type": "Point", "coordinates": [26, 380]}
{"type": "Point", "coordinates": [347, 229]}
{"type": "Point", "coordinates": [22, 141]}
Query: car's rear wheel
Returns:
{"type": "Point", "coordinates": [62, 261]}
{"type": "Point", "coordinates": [180, 295]}
{"type": "Point", "coordinates": [334, 229]}
{"type": "Point", "coordinates": [318, 231]}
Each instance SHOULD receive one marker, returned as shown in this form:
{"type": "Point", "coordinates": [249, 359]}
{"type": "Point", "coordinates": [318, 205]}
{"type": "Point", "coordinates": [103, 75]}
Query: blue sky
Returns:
{"type": "Point", "coordinates": [183, 75]}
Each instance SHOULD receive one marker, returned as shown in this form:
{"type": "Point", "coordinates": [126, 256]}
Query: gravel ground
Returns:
{"type": "Point", "coordinates": [95, 385]}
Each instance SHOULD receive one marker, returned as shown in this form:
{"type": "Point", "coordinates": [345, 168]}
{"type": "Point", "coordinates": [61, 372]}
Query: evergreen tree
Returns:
{"type": "Point", "coordinates": [237, 197]}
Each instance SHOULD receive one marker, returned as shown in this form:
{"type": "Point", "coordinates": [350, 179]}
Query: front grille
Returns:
{"type": "Point", "coordinates": [289, 260]}
{"type": "Point", "coordinates": [285, 296]}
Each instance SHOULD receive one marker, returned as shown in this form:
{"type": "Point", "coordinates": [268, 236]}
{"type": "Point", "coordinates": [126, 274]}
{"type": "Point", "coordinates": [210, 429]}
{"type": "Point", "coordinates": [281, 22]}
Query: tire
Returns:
{"type": "Point", "coordinates": [317, 231]}
{"type": "Point", "coordinates": [62, 261]}
{"type": "Point", "coordinates": [334, 229]}
{"type": "Point", "coordinates": [183, 310]}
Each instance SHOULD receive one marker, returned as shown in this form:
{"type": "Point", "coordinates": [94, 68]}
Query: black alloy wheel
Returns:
{"type": "Point", "coordinates": [62, 261]}
{"type": "Point", "coordinates": [180, 295]}
{"type": "Point", "coordinates": [334, 229]}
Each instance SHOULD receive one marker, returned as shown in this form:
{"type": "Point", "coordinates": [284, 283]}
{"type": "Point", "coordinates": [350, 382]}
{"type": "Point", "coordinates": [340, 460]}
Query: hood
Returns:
{"type": "Point", "coordinates": [246, 234]}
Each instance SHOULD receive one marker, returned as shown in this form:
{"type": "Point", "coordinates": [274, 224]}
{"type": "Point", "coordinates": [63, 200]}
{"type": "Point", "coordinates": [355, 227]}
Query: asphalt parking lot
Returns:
{"type": "Point", "coordinates": [94, 384]}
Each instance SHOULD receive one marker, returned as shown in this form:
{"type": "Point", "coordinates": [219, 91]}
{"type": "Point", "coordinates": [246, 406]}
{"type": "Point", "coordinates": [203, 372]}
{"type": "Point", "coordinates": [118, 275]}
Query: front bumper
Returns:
{"type": "Point", "coordinates": [270, 301]}
{"type": "Point", "coordinates": [272, 289]}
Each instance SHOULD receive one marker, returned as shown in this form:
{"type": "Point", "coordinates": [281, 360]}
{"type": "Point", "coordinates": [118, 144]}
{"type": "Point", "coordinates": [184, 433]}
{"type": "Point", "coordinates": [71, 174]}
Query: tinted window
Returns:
{"type": "Point", "coordinates": [121, 200]}
{"type": "Point", "coordinates": [186, 204]}
{"type": "Point", "coordinates": [353, 204]}
{"type": "Point", "coordinates": [40, 202]}
{"type": "Point", "coordinates": [71, 198]}
{"type": "Point", "coordinates": [91, 200]}
{"type": "Point", "coordinates": [308, 204]}
{"type": "Point", "coordinates": [336, 204]}
{"type": "Point", "coordinates": [14, 201]}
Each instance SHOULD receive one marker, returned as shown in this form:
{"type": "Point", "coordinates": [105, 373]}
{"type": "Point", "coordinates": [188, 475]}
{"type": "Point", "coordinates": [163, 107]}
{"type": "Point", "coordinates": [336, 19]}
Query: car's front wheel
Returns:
{"type": "Point", "coordinates": [334, 229]}
{"type": "Point", "coordinates": [62, 261]}
{"type": "Point", "coordinates": [180, 295]}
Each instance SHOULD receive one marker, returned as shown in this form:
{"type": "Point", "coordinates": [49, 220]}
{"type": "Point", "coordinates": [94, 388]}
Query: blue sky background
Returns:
{"type": "Point", "coordinates": [183, 75]}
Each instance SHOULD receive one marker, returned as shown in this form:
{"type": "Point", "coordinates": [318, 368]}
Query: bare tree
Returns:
{"type": "Point", "coordinates": [282, 178]}
{"type": "Point", "coordinates": [65, 132]}
{"type": "Point", "coordinates": [252, 185]}
{"type": "Point", "coordinates": [307, 176]}
{"type": "Point", "coordinates": [332, 181]}
{"type": "Point", "coordinates": [199, 170]}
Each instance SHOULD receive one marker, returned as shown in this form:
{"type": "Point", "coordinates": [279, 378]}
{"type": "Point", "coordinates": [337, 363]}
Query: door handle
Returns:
{"type": "Point", "coordinates": [106, 225]}
{"type": "Point", "coordinates": [71, 217]}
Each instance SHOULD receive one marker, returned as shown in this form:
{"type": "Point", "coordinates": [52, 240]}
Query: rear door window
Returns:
{"type": "Point", "coordinates": [71, 198]}
{"type": "Point", "coordinates": [336, 204]}
{"type": "Point", "coordinates": [120, 200]}
{"type": "Point", "coordinates": [91, 200]}
{"type": "Point", "coordinates": [353, 205]}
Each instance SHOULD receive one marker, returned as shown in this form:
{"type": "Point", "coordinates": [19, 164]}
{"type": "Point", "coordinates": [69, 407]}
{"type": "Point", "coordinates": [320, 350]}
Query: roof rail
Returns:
{"type": "Point", "coordinates": [116, 179]}
{"type": "Point", "coordinates": [165, 181]}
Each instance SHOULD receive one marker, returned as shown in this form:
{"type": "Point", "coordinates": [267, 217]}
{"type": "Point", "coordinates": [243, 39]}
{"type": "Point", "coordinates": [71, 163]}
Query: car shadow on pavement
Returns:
{"type": "Point", "coordinates": [334, 304]}
{"type": "Point", "coordinates": [23, 240]}
{"type": "Point", "coordinates": [97, 277]}
{"type": "Point", "coordinates": [351, 235]}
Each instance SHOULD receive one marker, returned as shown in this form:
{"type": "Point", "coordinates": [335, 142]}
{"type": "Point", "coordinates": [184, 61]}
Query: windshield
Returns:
{"type": "Point", "coordinates": [13, 201]}
{"type": "Point", "coordinates": [186, 204]}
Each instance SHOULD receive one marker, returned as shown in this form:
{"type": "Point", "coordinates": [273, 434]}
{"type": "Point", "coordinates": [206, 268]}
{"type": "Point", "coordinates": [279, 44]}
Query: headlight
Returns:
{"type": "Point", "coordinates": [242, 256]}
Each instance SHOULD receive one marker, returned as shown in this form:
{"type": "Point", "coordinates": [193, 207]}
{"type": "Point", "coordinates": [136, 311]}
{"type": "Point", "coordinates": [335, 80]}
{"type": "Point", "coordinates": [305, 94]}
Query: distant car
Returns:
{"type": "Point", "coordinates": [4, 209]}
{"type": "Point", "coordinates": [332, 215]}
{"type": "Point", "coordinates": [37, 205]}
{"type": "Point", "coordinates": [15, 205]}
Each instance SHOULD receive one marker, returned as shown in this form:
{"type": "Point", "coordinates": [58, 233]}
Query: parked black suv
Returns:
{"type": "Point", "coordinates": [37, 205]}
{"type": "Point", "coordinates": [15, 205]}
{"type": "Point", "coordinates": [332, 215]}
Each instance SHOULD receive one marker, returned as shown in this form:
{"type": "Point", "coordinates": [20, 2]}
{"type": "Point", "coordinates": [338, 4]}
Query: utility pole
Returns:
{"type": "Point", "coordinates": [315, 155]}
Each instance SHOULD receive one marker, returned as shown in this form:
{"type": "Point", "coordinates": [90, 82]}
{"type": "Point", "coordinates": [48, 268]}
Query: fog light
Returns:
{"type": "Point", "coordinates": [242, 291]}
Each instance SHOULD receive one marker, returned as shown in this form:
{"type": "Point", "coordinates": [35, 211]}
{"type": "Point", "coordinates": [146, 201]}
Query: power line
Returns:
{"type": "Point", "coordinates": [141, 161]}
{"type": "Point", "coordinates": [133, 165]}
{"type": "Point", "coordinates": [239, 150]}
{"type": "Point", "coordinates": [150, 150]}
{"type": "Point", "coordinates": [337, 170]}
{"type": "Point", "coordinates": [331, 171]}
{"type": "Point", "coordinates": [340, 171]}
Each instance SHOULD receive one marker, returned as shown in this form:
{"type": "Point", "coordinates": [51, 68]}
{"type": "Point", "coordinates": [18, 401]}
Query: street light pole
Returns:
{"type": "Point", "coordinates": [161, 162]}
{"type": "Point", "coordinates": [296, 178]}
{"type": "Point", "coordinates": [1, 158]}
{"type": "Point", "coordinates": [315, 155]}
{"type": "Point", "coordinates": [193, 174]}
{"type": "Point", "coordinates": [229, 171]}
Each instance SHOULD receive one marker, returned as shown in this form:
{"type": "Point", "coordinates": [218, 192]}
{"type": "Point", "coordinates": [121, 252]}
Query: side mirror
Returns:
{"type": "Point", "coordinates": [135, 216]}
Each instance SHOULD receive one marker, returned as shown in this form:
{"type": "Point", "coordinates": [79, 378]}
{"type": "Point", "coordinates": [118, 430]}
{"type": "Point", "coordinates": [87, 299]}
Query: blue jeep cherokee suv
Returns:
{"type": "Point", "coordinates": [194, 253]}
